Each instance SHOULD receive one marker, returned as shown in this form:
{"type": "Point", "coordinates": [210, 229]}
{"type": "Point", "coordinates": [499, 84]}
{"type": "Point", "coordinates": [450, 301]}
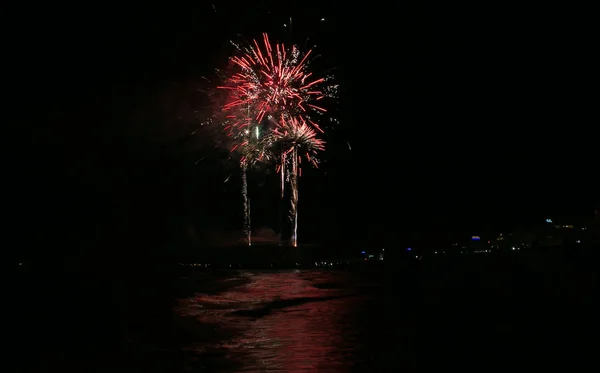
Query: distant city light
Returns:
{"type": "Point", "coordinates": [408, 249]}
{"type": "Point", "coordinates": [475, 238]}
{"type": "Point", "coordinates": [362, 252]}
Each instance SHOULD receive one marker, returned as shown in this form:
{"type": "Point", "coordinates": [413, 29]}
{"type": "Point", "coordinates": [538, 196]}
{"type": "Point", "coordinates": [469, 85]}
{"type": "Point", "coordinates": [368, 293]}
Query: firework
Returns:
{"type": "Point", "coordinates": [241, 146]}
{"type": "Point", "coordinates": [274, 80]}
{"type": "Point", "coordinates": [244, 138]}
{"type": "Point", "coordinates": [294, 131]}
{"type": "Point", "coordinates": [295, 137]}
{"type": "Point", "coordinates": [253, 151]}
{"type": "Point", "coordinates": [269, 81]}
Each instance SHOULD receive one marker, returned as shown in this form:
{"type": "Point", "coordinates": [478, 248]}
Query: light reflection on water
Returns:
{"type": "Point", "coordinates": [289, 321]}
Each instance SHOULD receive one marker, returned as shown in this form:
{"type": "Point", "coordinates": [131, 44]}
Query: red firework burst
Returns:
{"type": "Point", "coordinates": [274, 80]}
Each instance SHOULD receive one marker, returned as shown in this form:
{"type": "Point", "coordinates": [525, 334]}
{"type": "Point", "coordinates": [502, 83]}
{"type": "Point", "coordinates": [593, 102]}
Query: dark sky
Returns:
{"type": "Point", "coordinates": [458, 119]}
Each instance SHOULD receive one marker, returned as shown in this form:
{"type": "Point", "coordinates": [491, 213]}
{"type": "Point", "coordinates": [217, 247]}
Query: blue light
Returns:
{"type": "Point", "coordinates": [362, 252]}
{"type": "Point", "coordinates": [475, 238]}
{"type": "Point", "coordinates": [408, 249]}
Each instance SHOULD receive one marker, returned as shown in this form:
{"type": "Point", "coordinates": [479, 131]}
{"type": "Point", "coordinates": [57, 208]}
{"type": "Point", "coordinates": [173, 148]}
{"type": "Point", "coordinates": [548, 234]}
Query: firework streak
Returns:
{"type": "Point", "coordinates": [247, 221]}
{"type": "Point", "coordinates": [296, 136]}
{"type": "Point", "coordinates": [294, 202]}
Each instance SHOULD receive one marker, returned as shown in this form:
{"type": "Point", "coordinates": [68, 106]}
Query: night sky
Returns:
{"type": "Point", "coordinates": [459, 120]}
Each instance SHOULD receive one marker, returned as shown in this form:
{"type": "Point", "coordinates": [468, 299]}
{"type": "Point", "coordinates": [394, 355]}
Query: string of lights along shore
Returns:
{"type": "Point", "coordinates": [274, 114]}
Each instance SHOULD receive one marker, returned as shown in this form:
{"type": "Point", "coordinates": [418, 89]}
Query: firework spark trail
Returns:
{"type": "Point", "coordinates": [252, 151]}
{"type": "Point", "coordinates": [247, 222]}
{"type": "Point", "coordinates": [281, 169]}
{"type": "Point", "coordinates": [294, 190]}
{"type": "Point", "coordinates": [244, 150]}
{"type": "Point", "coordinates": [249, 149]}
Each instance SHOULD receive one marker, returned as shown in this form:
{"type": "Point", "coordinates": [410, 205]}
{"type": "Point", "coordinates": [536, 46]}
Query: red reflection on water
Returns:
{"type": "Point", "coordinates": [283, 322]}
{"type": "Point", "coordinates": [302, 337]}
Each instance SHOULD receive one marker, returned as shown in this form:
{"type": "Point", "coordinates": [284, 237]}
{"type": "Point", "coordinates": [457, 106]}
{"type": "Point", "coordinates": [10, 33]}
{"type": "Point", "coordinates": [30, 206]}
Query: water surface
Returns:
{"type": "Point", "coordinates": [469, 317]}
{"type": "Point", "coordinates": [286, 321]}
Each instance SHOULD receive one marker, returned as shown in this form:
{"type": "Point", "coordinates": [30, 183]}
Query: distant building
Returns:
{"type": "Point", "coordinates": [474, 244]}
{"type": "Point", "coordinates": [558, 233]}
{"type": "Point", "coordinates": [477, 245]}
